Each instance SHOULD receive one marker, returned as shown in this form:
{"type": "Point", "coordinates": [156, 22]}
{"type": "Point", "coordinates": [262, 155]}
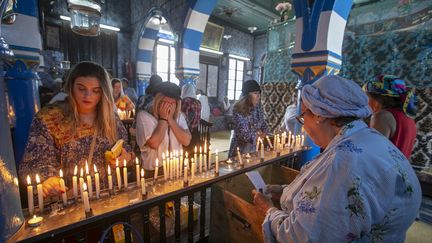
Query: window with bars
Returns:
{"type": "Point", "coordinates": [235, 78]}
{"type": "Point", "coordinates": [208, 79]}
{"type": "Point", "coordinates": [165, 62]}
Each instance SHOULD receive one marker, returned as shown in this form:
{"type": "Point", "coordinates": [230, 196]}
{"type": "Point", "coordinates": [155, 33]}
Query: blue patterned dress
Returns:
{"type": "Point", "coordinates": [360, 189]}
{"type": "Point", "coordinates": [245, 131]}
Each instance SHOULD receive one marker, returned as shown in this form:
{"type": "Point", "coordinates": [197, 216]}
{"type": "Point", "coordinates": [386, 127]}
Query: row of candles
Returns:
{"type": "Point", "coordinates": [175, 164]}
{"type": "Point", "coordinates": [124, 115]}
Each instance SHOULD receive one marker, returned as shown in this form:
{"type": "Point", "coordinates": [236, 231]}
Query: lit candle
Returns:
{"type": "Point", "coordinates": [177, 164]}
{"type": "Point", "coordinates": [292, 141]}
{"type": "Point", "coordinates": [217, 161]}
{"type": "Point", "coordinates": [275, 142]}
{"type": "Point", "coordinates": [125, 175]}
{"type": "Point", "coordinates": [181, 161]}
{"type": "Point", "coordinates": [269, 142]}
{"type": "Point", "coordinates": [75, 183]}
{"type": "Point", "coordinates": [193, 168]}
{"type": "Point", "coordinates": [30, 196]}
{"type": "Point", "coordinates": [63, 187]}
{"type": "Point", "coordinates": [239, 156]}
{"type": "Point", "coordinates": [164, 166]}
{"type": "Point", "coordinates": [97, 182]}
{"type": "Point", "coordinates": [185, 179]}
{"type": "Point", "coordinates": [40, 194]}
{"type": "Point", "coordinates": [110, 182]}
{"type": "Point", "coordinates": [262, 149]}
{"type": "Point", "coordinates": [302, 140]}
{"type": "Point", "coordinates": [118, 175]}
{"type": "Point", "coordinates": [200, 160]}
{"type": "Point", "coordinates": [289, 138]}
{"type": "Point", "coordinates": [137, 171]}
{"type": "Point", "coordinates": [195, 155]}
{"type": "Point", "coordinates": [81, 181]}
{"type": "Point", "coordinates": [156, 169]}
{"type": "Point", "coordinates": [143, 184]}
{"type": "Point", "coordinates": [171, 166]}
{"type": "Point", "coordinates": [257, 145]}
{"type": "Point", "coordinates": [86, 198]}
{"type": "Point", "coordinates": [205, 155]}
{"type": "Point", "coordinates": [133, 112]}
{"type": "Point", "coordinates": [89, 181]}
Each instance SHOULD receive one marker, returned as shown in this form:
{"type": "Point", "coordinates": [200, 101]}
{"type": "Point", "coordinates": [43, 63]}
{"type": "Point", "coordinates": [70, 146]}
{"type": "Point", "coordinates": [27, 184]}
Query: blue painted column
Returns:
{"type": "Point", "coordinates": [188, 69]}
{"type": "Point", "coordinates": [320, 27]}
{"type": "Point", "coordinates": [11, 216]}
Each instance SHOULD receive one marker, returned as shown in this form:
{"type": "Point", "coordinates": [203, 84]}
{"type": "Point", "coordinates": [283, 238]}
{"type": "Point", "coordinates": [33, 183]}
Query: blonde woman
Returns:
{"type": "Point", "coordinates": [68, 133]}
{"type": "Point", "coordinates": [164, 128]}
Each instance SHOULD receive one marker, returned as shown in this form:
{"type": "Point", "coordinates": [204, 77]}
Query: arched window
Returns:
{"type": "Point", "coordinates": [165, 60]}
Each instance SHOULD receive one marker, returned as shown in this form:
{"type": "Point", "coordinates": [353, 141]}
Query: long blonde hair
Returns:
{"type": "Point", "coordinates": [244, 105]}
{"type": "Point", "coordinates": [105, 119]}
{"type": "Point", "coordinates": [156, 102]}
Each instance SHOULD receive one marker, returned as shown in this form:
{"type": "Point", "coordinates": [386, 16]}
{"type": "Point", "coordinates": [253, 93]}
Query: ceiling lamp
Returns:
{"type": "Point", "coordinates": [85, 17]}
{"type": "Point", "coordinates": [252, 29]}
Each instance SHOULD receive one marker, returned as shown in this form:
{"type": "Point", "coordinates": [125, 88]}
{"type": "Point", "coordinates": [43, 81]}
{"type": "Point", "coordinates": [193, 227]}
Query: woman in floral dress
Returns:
{"type": "Point", "coordinates": [248, 120]}
{"type": "Point", "coordinates": [361, 188]}
{"type": "Point", "coordinates": [61, 134]}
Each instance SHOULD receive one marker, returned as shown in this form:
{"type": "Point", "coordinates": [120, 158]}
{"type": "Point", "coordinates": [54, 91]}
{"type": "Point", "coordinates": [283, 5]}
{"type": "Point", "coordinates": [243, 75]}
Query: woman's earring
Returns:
{"type": "Point", "coordinates": [317, 122]}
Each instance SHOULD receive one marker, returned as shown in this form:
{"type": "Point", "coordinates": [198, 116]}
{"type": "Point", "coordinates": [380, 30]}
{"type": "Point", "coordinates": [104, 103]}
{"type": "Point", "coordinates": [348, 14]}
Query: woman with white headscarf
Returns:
{"type": "Point", "coordinates": [360, 188]}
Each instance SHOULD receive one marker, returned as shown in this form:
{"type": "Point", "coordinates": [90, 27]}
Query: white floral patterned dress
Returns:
{"type": "Point", "coordinates": [360, 189]}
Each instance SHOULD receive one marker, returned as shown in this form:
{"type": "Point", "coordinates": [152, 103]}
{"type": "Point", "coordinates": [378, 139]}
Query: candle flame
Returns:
{"type": "Point", "coordinates": [84, 186]}
{"type": "Point", "coordinates": [124, 163]}
{"type": "Point", "coordinates": [61, 173]}
{"type": "Point", "coordinates": [186, 155]}
{"type": "Point", "coordinates": [87, 169]}
{"type": "Point", "coordinates": [76, 170]}
{"type": "Point", "coordinates": [116, 162]}
{"type": "Point", "coordinates": [28, 180]}
{"type": "Point", "coordinates": [34, 216]}
{"type": "Point", "coordinates": [81, 172]}
{"type": "Point", "coordinates": [37, 179]}
{"type": "Point", "coordinates": [163, 155]}
{"type": "Point", "coordinates": [109, 170]}
{"type": "Point", "coordinates": [200, 149]}
{"type": "Point", "coordinates": [157, 162]}
{"type": "Point", "coordinates": [195, 149]}
{"type": "Point", "coordinates": [95, 168]}
{"type": "Point", "coordinates": [217, 151]}
{"type": "Point", "coordinates": [136, 160]}
{"type": "Point", "coordinates": [142, 173]}
{"type": "Point", "coordinates": [181, 152]}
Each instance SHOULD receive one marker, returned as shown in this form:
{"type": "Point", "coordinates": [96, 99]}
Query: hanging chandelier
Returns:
{"type": "Point", "coordinates": [85, 17]}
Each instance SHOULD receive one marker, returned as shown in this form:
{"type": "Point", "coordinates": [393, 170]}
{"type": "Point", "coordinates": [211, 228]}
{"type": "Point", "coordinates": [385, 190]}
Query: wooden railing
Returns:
{"type": "Point", "coordinates": [71, 225]}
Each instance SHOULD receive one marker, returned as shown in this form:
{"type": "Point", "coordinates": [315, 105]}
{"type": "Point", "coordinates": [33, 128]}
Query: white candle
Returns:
{"type": "Point", "coordinates": [200, 160]}
{"type": "Point", "coordinates": [40, 194]}
{"type": "Point", "coordinates": [75, 183]}
{"type": "Point", "coordinates": [262, 149]}
{"type": "Point", "coordinates": [275, 142]}
{"type": "Point", "coordinates": [143, 185]}
{"type": "Point", "coordinates": [269, 142]}
{"type": "Point", "coordinates": [156, 169]}
{"type": "Point", "coordinates": [164, 165]}
{"type": "Point", "coordinates": [193, 168]}
{"type": "Point", "coordinates": [177, 163]}
{"type": "Point", "coordinates": [195, 156]}
{"type": "Point", "coordinates": [292, 141]}
{"type": "Point", "coordinates": [86, 199]}
{"type": "Point", "coordinates": [110, 182]}
{"type": "Point", "coordinates": [81, 181]}
{"type": "Point", "coordinates": [125, 175]}
{"type": "Point", "coordinates": [217, 161]}
{"type": "Point", "coordinates": [302, 140]}
{"type": "Point", "coordinates": [118, 175]}
{"type": "Point", "coordinates": [89, 181]}
{"type": "Point", "coordinates": [257, 145]}
{"type": "Point", "coordinates": [239, 156]}
{"type": "Point", "coordinates": [289, 138]}
{"type": "Point", "coordinates": [30, 196]}
{"type": "Point", "coordinates": [171, 165]}
{"type": "Point", "coordinates": [97, 182]}
{"type": "Point", "coordinates": [186, 171]}
{"type": "Point", "coordinates": [63, 187]}
{"type": "Point", "coordinates": [137, 171]}
{"type": "Point", "coordinates": [181, 161]}
{"type": "Point", "coordinates": [210, 156]}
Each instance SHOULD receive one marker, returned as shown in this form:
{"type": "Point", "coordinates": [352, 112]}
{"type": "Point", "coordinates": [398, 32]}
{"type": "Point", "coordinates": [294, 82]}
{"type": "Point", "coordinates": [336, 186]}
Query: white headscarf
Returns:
{"type": "Point", "coordinates": [188, 90]}
{"type": "Point", "coordinates": [332, 96]}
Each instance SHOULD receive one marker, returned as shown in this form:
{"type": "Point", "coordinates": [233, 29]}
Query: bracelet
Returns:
{"type": "Point", "coordinates": [163, 119]}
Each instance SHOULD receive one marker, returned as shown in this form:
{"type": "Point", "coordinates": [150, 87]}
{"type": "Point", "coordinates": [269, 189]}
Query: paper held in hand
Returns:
{"type": "Point", "coordinates": [257, 181]}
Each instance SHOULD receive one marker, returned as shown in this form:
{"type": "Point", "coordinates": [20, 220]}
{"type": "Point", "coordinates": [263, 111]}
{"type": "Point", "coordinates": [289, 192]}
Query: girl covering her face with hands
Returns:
{"type": "Point", "coordinates": [162, 129]}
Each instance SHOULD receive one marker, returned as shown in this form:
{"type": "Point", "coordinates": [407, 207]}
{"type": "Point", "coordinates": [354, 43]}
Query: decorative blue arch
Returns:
{"type": "Point", "coordinates": [146, 43]}
{"type": "Point", "coordinates": [188, 52]}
